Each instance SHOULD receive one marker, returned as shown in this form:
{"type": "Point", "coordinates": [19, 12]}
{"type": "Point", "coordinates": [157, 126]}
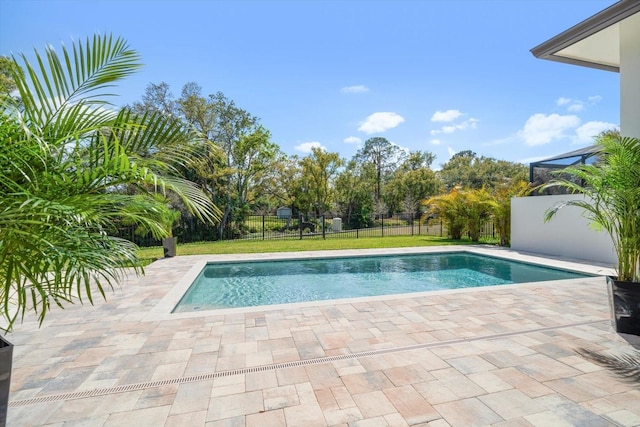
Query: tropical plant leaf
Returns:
{"type": "Point", "coordinates": [626, 366]}
{"type": "Point", "coordinates": [69, 162]}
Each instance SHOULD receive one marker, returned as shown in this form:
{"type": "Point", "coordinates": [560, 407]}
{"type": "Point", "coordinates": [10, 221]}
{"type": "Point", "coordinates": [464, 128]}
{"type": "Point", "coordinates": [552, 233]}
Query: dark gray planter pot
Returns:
{"type": "Point", "coordinates": [624, 300]}
{"type": "Point", "coordinates": [169, 245]}
{"type": "Point", "coordinates": [6, 358]}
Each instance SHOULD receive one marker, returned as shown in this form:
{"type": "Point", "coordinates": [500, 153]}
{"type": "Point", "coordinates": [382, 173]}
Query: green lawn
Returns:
{"type": "Point", "coordinates": [308, 244]}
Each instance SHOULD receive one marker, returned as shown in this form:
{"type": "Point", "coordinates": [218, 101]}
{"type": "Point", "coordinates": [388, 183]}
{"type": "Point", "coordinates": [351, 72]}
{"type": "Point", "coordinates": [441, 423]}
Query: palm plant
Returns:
{"type": "Point", "coordinates": [612, 198]}
{"type": "Point", "coordinates": [451, 208]}
{"type": "Point", "coordinates": [462, 210]}
{"type": "Point", "coordinates": [67, 157]}
{"type": "Point", "coordinates": [478, 206]}
{"type": "Point", "coordinates": [502, 207]}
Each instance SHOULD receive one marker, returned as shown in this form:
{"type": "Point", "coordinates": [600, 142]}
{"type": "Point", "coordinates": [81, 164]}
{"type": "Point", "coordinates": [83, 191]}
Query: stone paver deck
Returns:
{"type": "Point", "coordinates": [492, 356]}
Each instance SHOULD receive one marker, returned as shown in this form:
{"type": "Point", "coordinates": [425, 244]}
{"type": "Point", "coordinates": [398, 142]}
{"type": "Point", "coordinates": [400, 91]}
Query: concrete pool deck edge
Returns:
{"type": "Point", "coordinates": [163, 310]}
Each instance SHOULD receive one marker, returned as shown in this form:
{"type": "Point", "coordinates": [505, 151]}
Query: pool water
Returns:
{"type": "Point", "coordinates": [247, 284]}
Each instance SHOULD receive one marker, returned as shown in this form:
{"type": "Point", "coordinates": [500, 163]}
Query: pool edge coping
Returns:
{"type": "Point", "coordinates": [163, 309]}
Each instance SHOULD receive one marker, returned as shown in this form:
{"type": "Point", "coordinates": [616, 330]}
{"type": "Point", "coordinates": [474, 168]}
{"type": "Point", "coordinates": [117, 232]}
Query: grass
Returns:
{"type": "Point", "coordinates": [148, 255]}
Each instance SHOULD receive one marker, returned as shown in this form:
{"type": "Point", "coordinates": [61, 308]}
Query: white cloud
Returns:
{"type": "Point", "coordinates": [589, 130]}
{"type": "Point", "coordinates": [577, 105]}
{"type": "Point", "coordinates": [542, 129]}
{"type": "Point", "coordinates": [446, 116]}
{"type": "Point", "coordinates": [436, 142]}
{"type": "Point", "coordinates": [451, 151]}
{"type": "Point", "coordinates": [467, 124]}
{"type": "Point", "coordinates": [575, 108]}
{"type": "Point", "coordinates": [355, 89]}
{"type": "Point", "coordinates": [352, 140]}
{"type": "Point", "coordinates": [379, 122]}
{"type": "Point", "coordinates": [306, 147]}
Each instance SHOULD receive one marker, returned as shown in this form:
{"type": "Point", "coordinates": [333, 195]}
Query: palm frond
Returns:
{"type": "Point", "coordinates": [626, 366]}
{"type": "Point", "coordinates": [55, 82]}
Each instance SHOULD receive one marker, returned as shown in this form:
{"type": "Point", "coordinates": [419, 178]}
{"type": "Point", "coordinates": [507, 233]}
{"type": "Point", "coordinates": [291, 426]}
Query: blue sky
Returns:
{"type": "Point", "coordinates": [441, 76]}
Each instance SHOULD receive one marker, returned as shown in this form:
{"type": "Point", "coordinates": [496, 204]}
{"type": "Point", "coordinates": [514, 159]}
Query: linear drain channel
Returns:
{"type": "Point", "coordinates": [273, 367]}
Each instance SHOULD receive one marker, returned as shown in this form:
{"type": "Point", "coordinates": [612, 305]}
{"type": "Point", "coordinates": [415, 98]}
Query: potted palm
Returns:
{"type": "Point", "coordinates": [66, 158]}
{"type": "Point", "coordinates": [612, 203]}
{"type": "Point", "coordinates": [170, 242]}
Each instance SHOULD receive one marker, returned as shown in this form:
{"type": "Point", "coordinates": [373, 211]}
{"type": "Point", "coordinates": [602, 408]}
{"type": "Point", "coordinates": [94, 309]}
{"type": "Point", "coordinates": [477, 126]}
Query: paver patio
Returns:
{"type": "Point", "coordinates": [491, 356]}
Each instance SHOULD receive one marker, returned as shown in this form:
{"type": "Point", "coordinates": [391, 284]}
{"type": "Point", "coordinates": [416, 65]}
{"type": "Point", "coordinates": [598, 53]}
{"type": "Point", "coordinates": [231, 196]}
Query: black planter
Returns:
{"type": "Point", "coordinates": [169, 245]}
{"type": "Point", "coordinates": [6, 357]}
{"type": "Point", "coordinates": [624, 300]}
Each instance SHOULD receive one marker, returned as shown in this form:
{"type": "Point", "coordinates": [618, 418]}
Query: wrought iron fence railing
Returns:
{"type": "Point", "coordinates": [267, 227]}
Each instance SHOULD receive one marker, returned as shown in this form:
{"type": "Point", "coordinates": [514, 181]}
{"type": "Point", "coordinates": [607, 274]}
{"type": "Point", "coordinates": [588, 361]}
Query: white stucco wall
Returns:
{"type": "Point", "coordinates": [630, 76]}
{"type": "Point", "coordinates": [568, 235]}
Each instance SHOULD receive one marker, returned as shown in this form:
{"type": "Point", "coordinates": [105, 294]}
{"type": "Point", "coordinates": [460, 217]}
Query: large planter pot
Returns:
{"type": "Point", "coordinates": [6, 357]}
{"type": "Point", "coordinates": [624, 300]}
{"type": "Point", "coordinates": [169, 245]}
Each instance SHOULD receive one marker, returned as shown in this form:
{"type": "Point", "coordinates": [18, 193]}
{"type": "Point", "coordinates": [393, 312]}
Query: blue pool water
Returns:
{"type": "Point", "coordinates": [256, 283]}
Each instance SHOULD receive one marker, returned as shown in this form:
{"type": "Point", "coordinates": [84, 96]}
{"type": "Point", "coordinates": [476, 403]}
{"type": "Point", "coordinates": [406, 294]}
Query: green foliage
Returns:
{"type": "Point", "coordinates": [318, 172]}
{"type": "Point", "coordinates": [462, 211]}
{"type": "Point", "coordinates": [412, 182]}
{"type": "Point", "coordinates": [473, 172]}
{"type": "Point", "coordinates": [7, 69]}
{"type": "Point", "coordinates": [237, 153]}
{"type": "Point", "coordinates": [502, 207]}
{"type": "Point", "coordinates": [612, 198]}
{"type": "Point", "coordinates": [450, 208]}
{"type": "Point", "coordinates": [383, 157]}
{"type": "Point", "coordinates": [68, 159]}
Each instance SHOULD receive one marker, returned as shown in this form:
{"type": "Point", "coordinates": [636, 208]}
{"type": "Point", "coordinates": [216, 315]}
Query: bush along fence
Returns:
{"type": "Point", "coordinates": [267, 227]}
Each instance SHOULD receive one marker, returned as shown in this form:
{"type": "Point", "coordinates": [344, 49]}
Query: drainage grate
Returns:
{"type": "Point", "coordinates": [273, 367]}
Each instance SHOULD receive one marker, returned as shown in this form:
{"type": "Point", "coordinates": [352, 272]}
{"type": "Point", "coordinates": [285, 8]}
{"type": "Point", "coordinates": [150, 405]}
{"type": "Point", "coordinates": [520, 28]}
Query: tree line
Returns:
{"type": "Point", "coordinates": [246, 173]}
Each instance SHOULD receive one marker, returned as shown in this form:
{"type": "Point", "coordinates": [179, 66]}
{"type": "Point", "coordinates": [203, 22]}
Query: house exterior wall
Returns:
{"type": "Point", "coordinates": [629, 76]}
{"type": "Point", "coordinates": [568, 235]}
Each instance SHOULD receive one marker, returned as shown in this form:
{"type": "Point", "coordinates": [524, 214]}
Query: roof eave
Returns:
{"type": "Point", "coordinates": [598, 22]}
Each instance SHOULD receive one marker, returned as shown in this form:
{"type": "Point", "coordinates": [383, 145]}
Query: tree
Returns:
{"type": "Point", "coordinates": [237, 150]}
{"type": "Point", "coordinates": [157, 98]}
{"type": "Point", "coordinates": [450, 208]}
{"type": "Point", "coordinates": [353, 193]}
{"type": "Point", "coordinates": [478, 207]}
{"type": "Point", "coordinates": [67, 156]}
{"type": "Point", "coordinates": [473, 172]}
{"type": "Point", "coordinates": [462, 210]}
{"type": "Point", "coordinates": [502, 196]}
{"type": "Point", "coordinates": [243, 155]}
{"type": "Point", "coordinates": [412, 182]}
{"type": "Point", "coordinates": [384, 156]}
{"type": "Point", "coordinates": [7, 69]}
{"type": "Point", "coordinates": [319, 170]}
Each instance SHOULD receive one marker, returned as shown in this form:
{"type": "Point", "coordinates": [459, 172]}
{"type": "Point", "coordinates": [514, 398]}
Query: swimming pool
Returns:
{"type": "Point", "coordinates": [257, 283]}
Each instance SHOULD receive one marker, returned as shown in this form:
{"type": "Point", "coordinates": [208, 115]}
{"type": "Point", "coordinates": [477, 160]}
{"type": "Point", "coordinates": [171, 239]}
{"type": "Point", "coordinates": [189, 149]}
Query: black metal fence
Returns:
{"type": "Point", "coordinates": [267, 227]}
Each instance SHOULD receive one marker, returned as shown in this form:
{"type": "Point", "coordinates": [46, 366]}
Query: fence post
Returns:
{"type": "Point", "coordinates": [323, 230]}
{"type": "Point", "coordinates": [411, 217]}
{"type": "Point", "coordinates": [262, 227]}
{"type": "Point", "coordinates": [420, 225]}
{"type": "Point", "coordinates": [382, 224]}
{"type": "Point", "coordinates": [300, 224]}
{"type": "Point", "coordinates": [440, 227]}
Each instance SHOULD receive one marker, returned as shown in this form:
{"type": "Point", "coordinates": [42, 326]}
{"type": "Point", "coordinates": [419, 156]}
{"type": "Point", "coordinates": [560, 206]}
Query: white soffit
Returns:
{"type": "Point", "coordinates": [599, 48]}
{"type": "Point", "coordinates": [594, 42]}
